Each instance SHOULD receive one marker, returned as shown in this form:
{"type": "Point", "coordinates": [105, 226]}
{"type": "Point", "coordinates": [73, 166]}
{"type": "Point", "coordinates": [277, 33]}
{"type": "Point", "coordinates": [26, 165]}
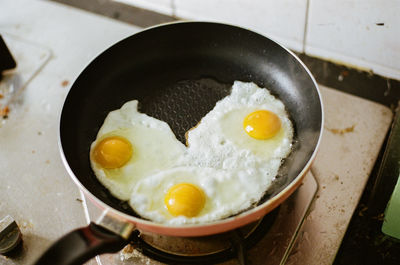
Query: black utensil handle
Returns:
{"type": "Point", "coordinates": [7, 61]}
{"type": "Point", "coordinates": [81, 245]}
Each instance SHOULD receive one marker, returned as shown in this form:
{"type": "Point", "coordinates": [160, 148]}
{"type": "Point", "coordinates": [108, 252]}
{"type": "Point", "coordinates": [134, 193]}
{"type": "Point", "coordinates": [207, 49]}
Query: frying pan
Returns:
{"type": "Point", "coordinates": [178, 71]}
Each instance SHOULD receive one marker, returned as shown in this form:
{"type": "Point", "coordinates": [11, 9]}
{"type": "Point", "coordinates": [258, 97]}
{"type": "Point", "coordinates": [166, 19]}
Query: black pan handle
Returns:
{"type": "Point", "coordinates": [81, 245]}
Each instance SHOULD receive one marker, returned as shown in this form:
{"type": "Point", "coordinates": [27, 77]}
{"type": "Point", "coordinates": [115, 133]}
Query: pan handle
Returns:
{"type": "Point", "coordinates": [82, 244]}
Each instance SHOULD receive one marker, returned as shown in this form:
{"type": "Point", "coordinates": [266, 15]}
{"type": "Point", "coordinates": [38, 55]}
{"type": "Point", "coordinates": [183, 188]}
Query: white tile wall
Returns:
{"type": "Point", "coordinates": [343, 31]}
{"type": "Point", "coordinates": [346, 31]}
{"type": "Point", "coordinates": [282, 20]}
{"type": "Point", "coordinates": [160, 6]}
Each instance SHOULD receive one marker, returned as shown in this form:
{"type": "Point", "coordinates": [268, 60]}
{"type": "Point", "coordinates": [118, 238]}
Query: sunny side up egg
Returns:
{"type": "Point", "coordinates": [131, 146]}
{"type": "Point", "coordinates": [233, 155]}
{"type": "Point", "coordinates": [243, 131]}
{"type": "Point", "coordinates": [186, 195]}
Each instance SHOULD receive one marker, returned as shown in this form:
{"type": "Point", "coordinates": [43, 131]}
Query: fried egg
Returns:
{"type": "Point", "coordinates": [130, 146]}
{"type": "Point", "coordinates": [187, 195]}
{"type": "Point", "coordinates": [245, 129]}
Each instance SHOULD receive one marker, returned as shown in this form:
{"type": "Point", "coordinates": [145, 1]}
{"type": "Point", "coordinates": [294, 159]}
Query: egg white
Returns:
{"type": "Point", "coordinates": [226, 194]}
{"type": "Point", "coordinates": [220, 141]}
{"type": "Point", "coordinates": [154, 146]}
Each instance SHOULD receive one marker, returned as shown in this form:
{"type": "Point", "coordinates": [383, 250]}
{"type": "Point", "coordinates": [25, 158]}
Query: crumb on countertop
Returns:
{"type": "Point", "coordinates": [64, 83]}
{"type": "Point", "coordinates": [130, 252]}
{"type": "Point", "coordinates": [4, 112]}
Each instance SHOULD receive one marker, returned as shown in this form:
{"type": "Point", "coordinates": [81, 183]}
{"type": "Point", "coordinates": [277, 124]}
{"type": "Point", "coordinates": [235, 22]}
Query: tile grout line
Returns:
{"type": "Point", "coordinates": [305, 26]}
{"type": "Point", "coordinates": [173, 8]}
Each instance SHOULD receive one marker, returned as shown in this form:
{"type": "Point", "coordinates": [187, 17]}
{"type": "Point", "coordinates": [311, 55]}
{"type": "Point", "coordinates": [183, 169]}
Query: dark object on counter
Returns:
{"type": "Point", "coordinates": [385, 186]}
{"type": "Point", "coordinates": [10, 235]}
{"type": "Point", "coordinates": [389, 170]}
{"type": "Point", "coordinates": [180, 68]}
{"type": "Point", "coordinates": [7, 61]}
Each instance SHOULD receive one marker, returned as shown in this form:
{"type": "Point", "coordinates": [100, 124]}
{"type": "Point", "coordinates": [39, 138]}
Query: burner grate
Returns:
{"type": "Point", "coordinates": [240, 242]}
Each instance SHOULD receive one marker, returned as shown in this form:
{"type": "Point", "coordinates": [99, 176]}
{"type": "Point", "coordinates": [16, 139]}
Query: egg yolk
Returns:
{"type": "Point", "coordinates": [262, 124]}
{"type": "Point", "coordinates": [185, 199]}
{"type": "Point", "coordinates": [112, 152]}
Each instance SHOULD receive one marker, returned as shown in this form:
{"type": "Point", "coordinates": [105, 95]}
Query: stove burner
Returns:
{"type": "Point", "coordinates": [204, 250]}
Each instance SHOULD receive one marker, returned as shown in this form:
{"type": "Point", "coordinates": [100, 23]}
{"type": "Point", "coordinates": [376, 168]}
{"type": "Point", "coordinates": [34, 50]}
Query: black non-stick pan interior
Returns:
{"type": "Point", "coordinates": [178, 72]}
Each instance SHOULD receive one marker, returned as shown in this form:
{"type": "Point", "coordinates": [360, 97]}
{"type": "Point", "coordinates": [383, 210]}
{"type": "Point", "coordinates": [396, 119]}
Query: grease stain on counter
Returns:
{"type": "Point", "coordinates": [341, 131]}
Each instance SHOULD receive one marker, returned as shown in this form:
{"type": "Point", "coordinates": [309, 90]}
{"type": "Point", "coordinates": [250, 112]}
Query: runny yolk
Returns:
{"type": "Point", "coordinates": [112, 152]}
{"type": "Point", "coordinates": [262, 124]}
{"type": "Point", "coordinates": [184, 199]}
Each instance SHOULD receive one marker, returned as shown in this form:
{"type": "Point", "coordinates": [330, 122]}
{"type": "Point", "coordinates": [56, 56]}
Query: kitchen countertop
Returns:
{"type": "Point", "coordinates": [34, 182]}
